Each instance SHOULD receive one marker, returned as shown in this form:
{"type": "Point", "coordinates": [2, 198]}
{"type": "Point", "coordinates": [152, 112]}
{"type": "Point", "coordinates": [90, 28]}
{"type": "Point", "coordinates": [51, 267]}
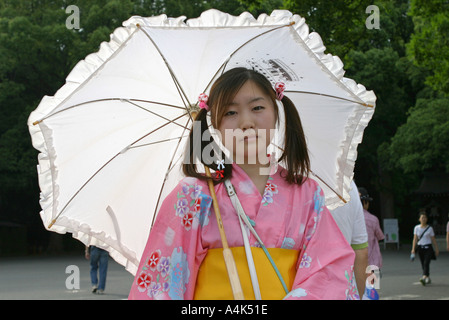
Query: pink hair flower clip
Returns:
{"type": "Point", "coordinates": [202, 99]}
{"type": "Point", "coordinates": [279, 87]}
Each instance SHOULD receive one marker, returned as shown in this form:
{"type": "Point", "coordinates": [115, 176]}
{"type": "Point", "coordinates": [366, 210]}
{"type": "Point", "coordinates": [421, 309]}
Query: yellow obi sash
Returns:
{"type": "Point", "coordinates": [213, 283]}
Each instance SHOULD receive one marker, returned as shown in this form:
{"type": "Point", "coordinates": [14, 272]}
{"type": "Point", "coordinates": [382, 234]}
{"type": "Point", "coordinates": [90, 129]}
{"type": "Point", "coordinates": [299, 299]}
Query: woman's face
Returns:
{"type": "Point", "coordinates": [423, 219]}
{"type": "Point", "coordinates": [248, 124]}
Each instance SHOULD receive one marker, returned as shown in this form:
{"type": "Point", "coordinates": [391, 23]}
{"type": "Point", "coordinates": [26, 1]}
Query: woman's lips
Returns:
{"type": "Point", "coordinates": [250, 138]}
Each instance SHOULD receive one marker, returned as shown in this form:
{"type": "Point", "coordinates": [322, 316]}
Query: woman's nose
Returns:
{"type": "Point", "coordinates": [246, 122]}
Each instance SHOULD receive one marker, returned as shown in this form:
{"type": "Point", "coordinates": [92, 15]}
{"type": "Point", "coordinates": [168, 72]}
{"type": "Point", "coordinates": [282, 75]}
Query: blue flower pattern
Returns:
{"type": "Point", "coordinates": [179, 274]}
{"type": "Point", "coordinates": [182, 207]}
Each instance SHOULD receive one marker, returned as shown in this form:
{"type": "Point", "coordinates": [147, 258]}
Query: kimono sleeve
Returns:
{"type": "Point", "coordinates": [169, 264]}
{"type": "Point", "coordinates": [325, 264]}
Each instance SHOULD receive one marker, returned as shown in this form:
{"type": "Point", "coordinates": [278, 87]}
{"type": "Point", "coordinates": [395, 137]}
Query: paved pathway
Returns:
{"type": "Point", "coordinates": [46, 277]}
{"type": "Point", "coordinates": [400, 277]}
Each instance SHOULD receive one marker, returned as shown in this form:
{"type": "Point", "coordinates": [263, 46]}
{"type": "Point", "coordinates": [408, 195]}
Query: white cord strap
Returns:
{"type": "Point", "coordinates": [242, 216]}
{"type": "Point", "coordinates": [249, 255]}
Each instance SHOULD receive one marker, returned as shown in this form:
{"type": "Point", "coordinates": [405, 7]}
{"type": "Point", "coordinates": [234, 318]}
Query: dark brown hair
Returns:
{"type": "Point", "coordinates": [223, 91]}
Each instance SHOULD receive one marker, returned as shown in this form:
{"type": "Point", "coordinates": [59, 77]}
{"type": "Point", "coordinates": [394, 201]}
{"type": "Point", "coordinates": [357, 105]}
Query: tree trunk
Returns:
{"type": "Point", "coordinates": [386, 195]}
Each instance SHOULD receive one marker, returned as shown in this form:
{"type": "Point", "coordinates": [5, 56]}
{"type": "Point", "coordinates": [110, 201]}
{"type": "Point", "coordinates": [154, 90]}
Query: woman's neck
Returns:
{"type": "Point", "coordinates": [254, 173]}
{"type": "Point", "coordinates": [252, 170]}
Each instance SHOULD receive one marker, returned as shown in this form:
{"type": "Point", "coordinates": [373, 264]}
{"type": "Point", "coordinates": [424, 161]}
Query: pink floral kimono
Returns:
{"type": "Point", "coordinates": [286, 216]}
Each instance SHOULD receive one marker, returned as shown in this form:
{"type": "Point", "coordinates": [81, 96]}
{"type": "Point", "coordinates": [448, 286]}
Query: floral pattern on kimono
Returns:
{"type": "Point", "coordinates": [270, 190]}
{"type": "Point", "coordinates": [351, 293]}
{"type": "Point", "coordinates": [285, 216]}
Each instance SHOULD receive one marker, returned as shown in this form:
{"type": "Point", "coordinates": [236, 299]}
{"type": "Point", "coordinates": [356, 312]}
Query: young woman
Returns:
{"type": "Point", "coordinates": [285, 207]}
{"type": "Point", "coordinates": [423, 238]}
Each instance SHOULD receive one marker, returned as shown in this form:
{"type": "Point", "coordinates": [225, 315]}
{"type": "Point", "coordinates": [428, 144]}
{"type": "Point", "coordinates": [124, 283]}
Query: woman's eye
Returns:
{"type": "Point", "coordinates": [258, 108]}
{"type": "Point", "coordinates": [230, 113]}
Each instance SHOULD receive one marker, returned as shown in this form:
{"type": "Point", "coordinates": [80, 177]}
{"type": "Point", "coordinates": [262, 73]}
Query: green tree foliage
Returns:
{"type": "Point", "coordinates": [430, 42]}
{"type": "Point", "coordinates": [257, 7]}
{"type": "Point", "coordinates": [341, 24]}
{"type": "Point", "coordinates": [379, 62]}
{"type": "Point", "coordinates": [383, 71]}
{"type": "Point", "coordinates": [421, 143]}
{"type": "Point", "coordinates": [37, 53]}
{"type": "Point", "coordinates": [34, 61]}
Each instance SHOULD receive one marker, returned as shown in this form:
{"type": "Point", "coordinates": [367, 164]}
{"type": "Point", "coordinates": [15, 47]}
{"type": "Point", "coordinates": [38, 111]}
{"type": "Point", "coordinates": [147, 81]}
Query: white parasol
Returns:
{"type": "Point", "coordinates": [111, 140]}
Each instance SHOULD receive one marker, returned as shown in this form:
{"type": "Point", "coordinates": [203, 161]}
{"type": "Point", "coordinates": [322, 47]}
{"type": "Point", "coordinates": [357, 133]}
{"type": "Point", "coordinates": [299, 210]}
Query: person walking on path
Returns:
{"type": "Point", "coordinates": [423, 238]}
{"type": "Point", "coordinates": [373, 229]}
{"type": "Point", "coordinates": [98, 268]}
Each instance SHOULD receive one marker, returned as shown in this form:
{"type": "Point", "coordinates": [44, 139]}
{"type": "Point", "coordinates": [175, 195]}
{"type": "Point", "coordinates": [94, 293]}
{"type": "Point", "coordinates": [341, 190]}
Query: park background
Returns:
{"type": "Point", "coordinates": [403, 159]}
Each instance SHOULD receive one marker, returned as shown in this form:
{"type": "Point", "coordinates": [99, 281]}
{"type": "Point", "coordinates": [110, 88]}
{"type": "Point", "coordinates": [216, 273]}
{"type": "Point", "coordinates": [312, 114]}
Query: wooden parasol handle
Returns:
{"type": "Point", "coordinates": [227, 253]}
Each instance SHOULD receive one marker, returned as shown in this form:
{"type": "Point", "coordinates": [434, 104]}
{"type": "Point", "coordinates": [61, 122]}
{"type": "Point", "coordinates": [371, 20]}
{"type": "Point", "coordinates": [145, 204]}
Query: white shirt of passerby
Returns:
{"type": "Point", "coordinates": [426, 239]}
{"type": "Point", "coordinates": [351, 220]}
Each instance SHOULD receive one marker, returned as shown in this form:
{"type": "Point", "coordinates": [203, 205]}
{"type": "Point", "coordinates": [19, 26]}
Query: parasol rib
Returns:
{"type": "Point", "coordinates": [160, 141]}
{"type": "Point", "coordinates": [341, 198]}
{"type": "Point", "coordinates": [165, 179]}
{"type": "Point", "coordinates": [158, 115]}
{"type": "Point", "coordinates": [111, 99]}
{"type": "Point", "coordinates": [175, 80]}
{"type": "Point", "coordinates": [94, 74]}
{"type": "Point", "coordinates": [331, 96]}
{"type": "Point", "coordinates": [101, 168]}
{"type": "Point", "coordinates": [223, 66]}
{"type": "Point", "coordinates": [327, 185]}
